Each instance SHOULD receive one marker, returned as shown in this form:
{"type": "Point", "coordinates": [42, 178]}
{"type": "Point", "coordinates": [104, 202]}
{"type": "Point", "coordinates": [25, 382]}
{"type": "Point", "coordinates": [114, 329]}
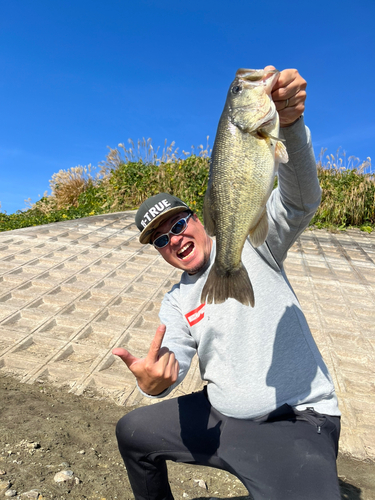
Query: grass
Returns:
{"type": "Point", "coordinates": [348, 193]}
{"type": "Point", "coordinates": [131, 174]}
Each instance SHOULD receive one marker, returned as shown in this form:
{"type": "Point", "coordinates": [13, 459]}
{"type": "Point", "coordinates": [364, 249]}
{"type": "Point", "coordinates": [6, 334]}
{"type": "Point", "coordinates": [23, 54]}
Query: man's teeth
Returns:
{"type": "Point", "coordinates": [183, 249]}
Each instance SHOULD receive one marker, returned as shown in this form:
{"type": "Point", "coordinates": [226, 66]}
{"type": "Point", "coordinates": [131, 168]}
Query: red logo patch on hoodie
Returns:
{"type": "Point", "coordinates": [193, 317]}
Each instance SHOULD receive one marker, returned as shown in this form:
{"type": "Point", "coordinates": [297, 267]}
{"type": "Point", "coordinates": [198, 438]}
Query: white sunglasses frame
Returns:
{"type": "Point", "coordinates": [171, 232]}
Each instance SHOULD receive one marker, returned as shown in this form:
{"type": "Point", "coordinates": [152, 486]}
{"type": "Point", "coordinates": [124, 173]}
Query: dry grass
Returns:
{"type": "Point", "coordinates": [342, 162]}
{"type": "Point", "coordinates": [67, 185]}
{"type": "Point", "coordinates": [144, 152]}
{"type": "Point", "coordinates": [133, 174]}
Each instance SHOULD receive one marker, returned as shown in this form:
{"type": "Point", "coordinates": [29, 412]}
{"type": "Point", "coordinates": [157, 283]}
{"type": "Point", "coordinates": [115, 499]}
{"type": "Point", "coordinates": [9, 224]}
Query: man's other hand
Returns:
{"type": "Point", "coordinates": [157, 371]}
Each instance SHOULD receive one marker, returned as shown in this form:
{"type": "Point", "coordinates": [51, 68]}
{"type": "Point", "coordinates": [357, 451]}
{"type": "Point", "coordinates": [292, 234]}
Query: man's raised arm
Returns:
{"type": "Point", "coordinates": [293, 204]}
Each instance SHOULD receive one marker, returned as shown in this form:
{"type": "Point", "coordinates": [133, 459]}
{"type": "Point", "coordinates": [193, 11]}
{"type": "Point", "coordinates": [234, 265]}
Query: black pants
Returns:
{"type": "Point", "coordinates": [287, 455]}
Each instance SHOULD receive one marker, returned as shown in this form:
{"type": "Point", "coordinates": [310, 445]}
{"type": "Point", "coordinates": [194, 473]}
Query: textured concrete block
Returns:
{"type": "Point", "coordinates": [9, 339]}
{"type": "Point", "coordinates": [37, 347]}
{"type": "Point", "coordinates": [60, 328]}
{"type": "Point", "coordinates": [78, 358]}
{"type": "Point", "coordinates": [95, 334]}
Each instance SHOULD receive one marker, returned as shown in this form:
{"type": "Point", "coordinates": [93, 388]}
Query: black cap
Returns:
{"type": "Point", "coordinates": [154, 211]}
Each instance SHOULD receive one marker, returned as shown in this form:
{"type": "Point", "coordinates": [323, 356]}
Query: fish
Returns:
{"type": "Point", "coordinates": [244, 161]}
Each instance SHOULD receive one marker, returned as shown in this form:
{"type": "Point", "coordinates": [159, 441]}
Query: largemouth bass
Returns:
{"type": "Point", "coordinates": [244, 161]}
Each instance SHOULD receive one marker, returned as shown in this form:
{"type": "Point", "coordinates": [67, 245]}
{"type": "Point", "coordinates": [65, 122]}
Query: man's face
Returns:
{"type": "Point", "coordinates": [189, 250]}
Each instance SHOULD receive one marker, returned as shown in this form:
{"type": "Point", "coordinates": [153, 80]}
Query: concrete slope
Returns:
{"type": "Point", "coordinates": [71, 291]}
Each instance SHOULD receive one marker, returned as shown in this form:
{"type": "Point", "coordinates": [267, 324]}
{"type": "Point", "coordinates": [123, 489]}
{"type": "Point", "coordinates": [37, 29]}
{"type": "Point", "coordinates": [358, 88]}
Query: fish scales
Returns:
{"type": "Point", "coordinates": [245, 155]}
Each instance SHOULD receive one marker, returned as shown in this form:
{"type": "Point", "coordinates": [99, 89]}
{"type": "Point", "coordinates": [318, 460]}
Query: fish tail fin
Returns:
{"type": "Point", "coordinates": [236, 284]}
{"type": "Point", "coordinates": [258, 235]}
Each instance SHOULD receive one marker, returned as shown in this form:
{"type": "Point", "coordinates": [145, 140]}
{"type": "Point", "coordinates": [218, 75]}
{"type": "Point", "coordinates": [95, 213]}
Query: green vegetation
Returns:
{"type": "Point", "coordinates": [129, 176]}
{"type": "Point", "coordinates": [348, 194]}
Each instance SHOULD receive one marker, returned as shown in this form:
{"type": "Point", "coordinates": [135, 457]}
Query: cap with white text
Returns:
{"type": "Point", "coordinates": [154, 211]}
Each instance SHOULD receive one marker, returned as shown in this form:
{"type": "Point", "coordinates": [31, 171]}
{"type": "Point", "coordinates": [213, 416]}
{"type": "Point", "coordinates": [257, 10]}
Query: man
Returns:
{"type": "Point", "coordinates": [269, 412]}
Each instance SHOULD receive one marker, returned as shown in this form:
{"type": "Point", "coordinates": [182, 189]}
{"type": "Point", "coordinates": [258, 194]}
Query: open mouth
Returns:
{"type": "Point", "coordinates": [185, 251]}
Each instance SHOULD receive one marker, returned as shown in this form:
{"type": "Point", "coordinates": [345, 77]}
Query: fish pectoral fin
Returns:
{"type": "Point", "coordinates": [265, 135]}
{"type": "Point", "coordinates": [281, 154]}
{"type": "Point", "coordinates": [258, 234]}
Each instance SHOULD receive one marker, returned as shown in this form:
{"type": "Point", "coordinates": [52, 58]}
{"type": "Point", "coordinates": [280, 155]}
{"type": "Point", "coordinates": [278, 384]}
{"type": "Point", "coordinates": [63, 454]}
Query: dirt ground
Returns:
{"type": "Point", "coordinates": [44, 430]}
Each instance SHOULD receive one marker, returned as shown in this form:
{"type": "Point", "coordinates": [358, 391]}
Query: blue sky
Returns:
{"type": "Point", "coordinates": [78, 76]}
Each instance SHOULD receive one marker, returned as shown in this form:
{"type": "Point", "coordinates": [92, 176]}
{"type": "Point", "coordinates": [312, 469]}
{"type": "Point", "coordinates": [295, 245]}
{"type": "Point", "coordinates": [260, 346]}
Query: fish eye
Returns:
{"type": "Point", "coordinates": [236, 89]}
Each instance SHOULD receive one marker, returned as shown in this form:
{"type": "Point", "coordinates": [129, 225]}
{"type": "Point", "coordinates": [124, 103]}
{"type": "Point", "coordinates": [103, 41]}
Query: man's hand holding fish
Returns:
{"type": "Point", "coordinates": [289, 95]}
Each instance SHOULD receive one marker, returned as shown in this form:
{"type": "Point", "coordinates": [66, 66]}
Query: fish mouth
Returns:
{"type": "Point", "coordinates": [256, 77]}
{"type": "Point", "coordinates": [186, 251]}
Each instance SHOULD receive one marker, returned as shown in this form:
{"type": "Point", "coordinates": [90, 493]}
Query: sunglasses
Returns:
{"type": "Point", "coordinates": [177, 228]}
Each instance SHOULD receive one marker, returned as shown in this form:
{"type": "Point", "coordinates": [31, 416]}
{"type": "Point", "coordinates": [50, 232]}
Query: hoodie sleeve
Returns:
{"type": "Point", "coordinates": [293, 203]}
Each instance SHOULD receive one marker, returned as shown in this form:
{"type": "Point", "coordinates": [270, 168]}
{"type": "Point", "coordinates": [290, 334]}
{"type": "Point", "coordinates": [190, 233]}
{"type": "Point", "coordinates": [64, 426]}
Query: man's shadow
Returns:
{"type": "Point", "coordinates": [348, 492]}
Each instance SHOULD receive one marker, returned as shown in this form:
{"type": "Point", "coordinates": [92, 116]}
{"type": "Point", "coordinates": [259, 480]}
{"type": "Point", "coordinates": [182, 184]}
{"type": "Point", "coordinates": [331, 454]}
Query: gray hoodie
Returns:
{"type": "Point", "coordinates": [256, 359]}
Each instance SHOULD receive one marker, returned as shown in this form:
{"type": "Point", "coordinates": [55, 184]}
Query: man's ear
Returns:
{"type": "Point", "coordinates": [196, 218]}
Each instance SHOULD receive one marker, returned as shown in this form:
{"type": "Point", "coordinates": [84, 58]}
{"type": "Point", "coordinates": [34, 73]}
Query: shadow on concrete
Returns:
{"type": "Point", "coordinates": [349, 491]}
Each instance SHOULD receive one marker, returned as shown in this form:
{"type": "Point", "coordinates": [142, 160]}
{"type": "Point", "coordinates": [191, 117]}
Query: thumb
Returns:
{"type": "Point", "coordinates": [269, 68]}
{"type": "Point", "coordinates": [125, 355]}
